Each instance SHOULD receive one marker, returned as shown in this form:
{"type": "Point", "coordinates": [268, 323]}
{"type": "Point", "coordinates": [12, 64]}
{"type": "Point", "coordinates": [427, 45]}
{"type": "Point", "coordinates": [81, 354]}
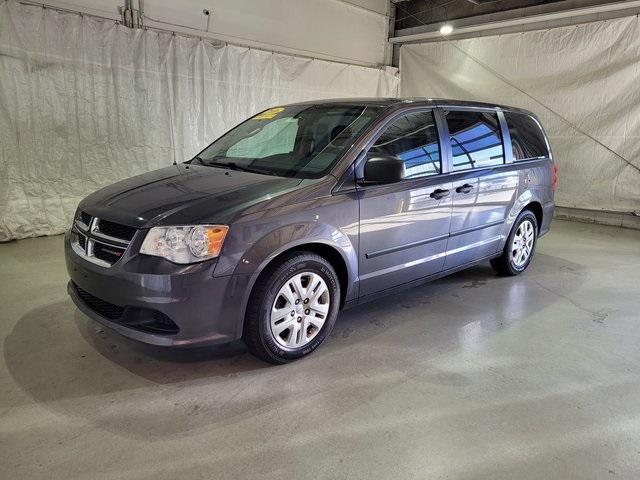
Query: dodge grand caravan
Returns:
{"type": "Point", "coordinates": [305, 209]}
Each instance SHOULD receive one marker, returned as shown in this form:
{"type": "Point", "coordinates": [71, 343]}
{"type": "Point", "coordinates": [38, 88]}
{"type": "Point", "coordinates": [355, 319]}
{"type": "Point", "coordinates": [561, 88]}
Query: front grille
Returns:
{"type": "Point", "coordinates": [116, 230]}
{"type": "Point", "coordinates": [105, 242]}
{"type": "Point", "coordinates": [85, 218]}
{"type": "Point", "coordinates": [102, 308]}
{"type": "Point", "coordinates": [108, 253]}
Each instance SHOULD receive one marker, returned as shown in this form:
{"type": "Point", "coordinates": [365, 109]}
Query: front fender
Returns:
{"type": "Point", "coordinates": [256, 256]}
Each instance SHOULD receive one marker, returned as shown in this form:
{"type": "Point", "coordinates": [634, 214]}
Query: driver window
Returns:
{"type": "Point", "coordinates": [414, 139]}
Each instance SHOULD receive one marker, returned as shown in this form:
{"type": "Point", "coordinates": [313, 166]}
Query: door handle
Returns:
{"type": "Point", "coordinates": [466, 188]}
{"type": "Point", "coordinates": [439, 193]}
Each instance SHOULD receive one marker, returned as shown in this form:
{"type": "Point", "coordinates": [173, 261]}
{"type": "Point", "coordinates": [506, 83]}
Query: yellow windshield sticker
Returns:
{"type": "Point", "coordinates": [268, 114]}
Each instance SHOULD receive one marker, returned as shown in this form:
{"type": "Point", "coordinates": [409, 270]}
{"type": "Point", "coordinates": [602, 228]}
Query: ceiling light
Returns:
{"type": "Point", "coordinates": [446, 29]}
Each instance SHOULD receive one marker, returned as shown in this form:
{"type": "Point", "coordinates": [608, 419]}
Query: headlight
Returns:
{"type": "Point", "coordinates": [187, 244]}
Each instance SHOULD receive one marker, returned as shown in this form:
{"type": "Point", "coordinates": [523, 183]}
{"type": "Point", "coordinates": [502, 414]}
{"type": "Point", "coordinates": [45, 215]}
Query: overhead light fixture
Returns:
{"type": "Point", "coordinates": [446, 29]}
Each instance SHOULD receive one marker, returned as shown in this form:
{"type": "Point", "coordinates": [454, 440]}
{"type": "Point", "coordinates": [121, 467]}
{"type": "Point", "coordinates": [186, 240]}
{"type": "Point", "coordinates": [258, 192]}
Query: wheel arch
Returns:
{"type": "Point", "coordinates": [529, 200]}
{"type": "Point", "coordinates": [328, 242]}
{"type": "Point", "coordinates": [324, 250]}
{"type": "Point", "coordinates": [536, 208]}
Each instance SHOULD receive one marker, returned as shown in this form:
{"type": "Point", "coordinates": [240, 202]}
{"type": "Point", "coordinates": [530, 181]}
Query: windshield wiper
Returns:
{"type": "Point", "coordinates": [214, 162]}
{"type": "Point", "coordinates": [211, 162]}
{"type": "Point", "coordinates": [241, 168]}
{"type": "Point", "coordinates": [199, 159]}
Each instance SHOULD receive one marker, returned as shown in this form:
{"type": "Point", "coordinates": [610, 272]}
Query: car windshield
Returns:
{"type": "Point", "coordinates": [296, 141]}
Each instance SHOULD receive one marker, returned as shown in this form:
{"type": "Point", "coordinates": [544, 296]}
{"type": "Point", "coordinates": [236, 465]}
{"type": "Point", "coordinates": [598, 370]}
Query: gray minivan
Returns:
{"type": "Point", "coordinates": [305, 209]}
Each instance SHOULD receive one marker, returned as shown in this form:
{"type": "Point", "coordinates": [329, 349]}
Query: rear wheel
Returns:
{"type": "Point", "coordinates": [293, 308]}
{"type": "Point", "coordinates": [520, 246]}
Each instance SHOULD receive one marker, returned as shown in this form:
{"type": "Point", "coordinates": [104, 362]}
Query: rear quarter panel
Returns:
{"type": "Point", "coordinates": [534, 186]}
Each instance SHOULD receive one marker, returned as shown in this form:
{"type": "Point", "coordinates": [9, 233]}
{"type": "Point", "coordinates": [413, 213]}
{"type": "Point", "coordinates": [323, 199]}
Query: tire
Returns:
{"type": "Point", "coordinates": [277, 329]}
{"type": "Point", "coordinates": [509, 263]}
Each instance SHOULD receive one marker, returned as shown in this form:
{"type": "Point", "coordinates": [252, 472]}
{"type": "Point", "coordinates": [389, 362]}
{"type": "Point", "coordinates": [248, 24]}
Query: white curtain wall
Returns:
{"type": "Point", "coordinates": [85, 102]}
{"type": "Point", "coordinates": [584, 83]}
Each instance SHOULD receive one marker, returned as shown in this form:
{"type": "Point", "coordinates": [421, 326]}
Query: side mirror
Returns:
{"type": "Point", "coordinates": [381, 169]}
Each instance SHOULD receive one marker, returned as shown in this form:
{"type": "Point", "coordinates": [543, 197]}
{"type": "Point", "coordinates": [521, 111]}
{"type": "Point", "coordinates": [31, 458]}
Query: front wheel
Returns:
{"type": "Point", "coordinates": [520, 246]}
{"type": "Point", "coordinates": [293, 308]}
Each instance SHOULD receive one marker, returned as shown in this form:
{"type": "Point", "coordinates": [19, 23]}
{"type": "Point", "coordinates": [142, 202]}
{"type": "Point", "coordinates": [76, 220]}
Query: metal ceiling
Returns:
{"type": "Point", "coordinates": [415, 13]}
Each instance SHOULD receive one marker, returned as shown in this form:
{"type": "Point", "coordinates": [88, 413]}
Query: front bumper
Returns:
{"type": "Point", "coordinates": [200, 308]}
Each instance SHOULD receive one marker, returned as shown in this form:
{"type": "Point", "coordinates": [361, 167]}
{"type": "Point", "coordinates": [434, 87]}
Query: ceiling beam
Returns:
{"type": "Point", "coordinates": [464, 28]}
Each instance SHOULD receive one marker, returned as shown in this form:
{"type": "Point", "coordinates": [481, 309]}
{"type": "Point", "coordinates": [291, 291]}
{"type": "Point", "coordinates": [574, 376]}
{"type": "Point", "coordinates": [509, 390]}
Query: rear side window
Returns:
{"type": "Point", "coordinates": [475, 139]}
{"type": "Point", "coordinates": [413, 138]}
{"type": "Point", "coordinates": [527, 139]}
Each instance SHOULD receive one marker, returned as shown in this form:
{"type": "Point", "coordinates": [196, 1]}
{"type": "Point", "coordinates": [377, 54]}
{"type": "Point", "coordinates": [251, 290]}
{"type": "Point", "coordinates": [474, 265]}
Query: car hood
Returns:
{"type": "Point", "coordinates": [182, 194]}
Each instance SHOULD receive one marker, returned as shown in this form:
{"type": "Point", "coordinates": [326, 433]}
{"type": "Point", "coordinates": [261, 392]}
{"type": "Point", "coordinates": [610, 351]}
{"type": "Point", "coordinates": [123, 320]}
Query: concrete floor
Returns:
{"type": "Point", "coordinates": [470, 377]}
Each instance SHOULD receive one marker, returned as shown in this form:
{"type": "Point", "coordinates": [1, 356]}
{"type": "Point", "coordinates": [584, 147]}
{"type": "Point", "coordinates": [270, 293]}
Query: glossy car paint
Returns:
{"type": "Point", "coordinates": [382, 237]}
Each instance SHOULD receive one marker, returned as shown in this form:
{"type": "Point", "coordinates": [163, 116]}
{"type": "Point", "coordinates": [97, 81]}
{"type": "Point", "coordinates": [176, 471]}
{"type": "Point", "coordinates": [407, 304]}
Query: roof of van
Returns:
{"type": "Point", "coordinates": [435, 102]}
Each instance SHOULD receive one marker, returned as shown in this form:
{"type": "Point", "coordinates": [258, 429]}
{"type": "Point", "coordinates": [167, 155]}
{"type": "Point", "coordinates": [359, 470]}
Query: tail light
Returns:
{"type": "Point", "coordinates": [554, 177]}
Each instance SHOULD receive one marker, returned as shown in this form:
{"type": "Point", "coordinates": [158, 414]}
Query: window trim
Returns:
{"type": "Point", "coordinates": [381, 129]}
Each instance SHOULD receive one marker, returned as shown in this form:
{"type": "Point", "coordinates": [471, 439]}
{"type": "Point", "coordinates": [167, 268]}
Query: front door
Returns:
{"type": "Point", "coordinates": [482, 190]}
{"type": "Point", "coordinates": [404, 226]}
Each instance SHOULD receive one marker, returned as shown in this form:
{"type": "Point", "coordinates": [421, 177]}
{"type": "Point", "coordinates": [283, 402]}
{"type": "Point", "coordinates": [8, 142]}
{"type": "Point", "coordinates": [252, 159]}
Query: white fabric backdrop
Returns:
{"type": "Point", "coordinates": [589, 74]}
{"type": "Point", "coordinates": [85, 102]}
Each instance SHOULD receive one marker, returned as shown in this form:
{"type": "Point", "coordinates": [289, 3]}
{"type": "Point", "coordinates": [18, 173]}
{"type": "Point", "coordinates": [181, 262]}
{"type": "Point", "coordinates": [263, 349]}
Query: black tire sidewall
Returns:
{"type": "Point", "coordinates": [525, 215]}
{"type": "Point", "coordinates": [279, 277]}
